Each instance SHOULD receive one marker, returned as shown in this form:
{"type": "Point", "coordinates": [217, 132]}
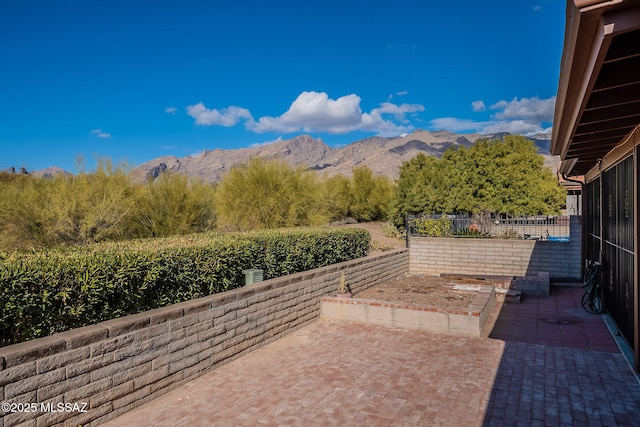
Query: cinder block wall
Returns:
{"type": "Point", "coordinates": [498, 257]}
{"type": "Point", "coordinates": [117, 365]}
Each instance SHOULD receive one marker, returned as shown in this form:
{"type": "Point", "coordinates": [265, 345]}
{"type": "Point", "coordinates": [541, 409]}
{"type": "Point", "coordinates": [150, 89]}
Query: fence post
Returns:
{"type": "Point", "coordinates": [406, 230]}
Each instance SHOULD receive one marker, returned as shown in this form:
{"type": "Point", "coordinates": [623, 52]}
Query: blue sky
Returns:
{"type": "Point", "coordinates": [135, 80]}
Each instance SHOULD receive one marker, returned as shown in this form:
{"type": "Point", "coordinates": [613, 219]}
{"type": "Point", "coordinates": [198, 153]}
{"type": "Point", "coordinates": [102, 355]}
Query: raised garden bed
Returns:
{"type": "Point", "coordinates": [445, 305]}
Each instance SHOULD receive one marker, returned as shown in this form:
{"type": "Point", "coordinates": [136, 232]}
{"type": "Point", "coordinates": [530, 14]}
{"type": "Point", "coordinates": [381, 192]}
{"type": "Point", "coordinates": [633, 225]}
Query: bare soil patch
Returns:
{"type": "Point", "coordinates": [422, 290]}
{"type": "Point", "coordinates": [380, 242]}
{"type": "Point", "coordinates": [427, 291]}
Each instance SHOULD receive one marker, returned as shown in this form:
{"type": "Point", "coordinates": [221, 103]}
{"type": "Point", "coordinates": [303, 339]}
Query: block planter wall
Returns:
{"type": "Point", "coordinates": [112, 367]}
{"type": "Point", "coordinates": [468, 321]}
{"type": "Point", "coordinates": [498, 257]}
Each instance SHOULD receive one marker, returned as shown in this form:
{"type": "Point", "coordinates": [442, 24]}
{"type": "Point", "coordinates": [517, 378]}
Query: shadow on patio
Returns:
{"type": "Point", "coordinates": [545, 362]}
{"type": "Point", "coordinates": [560, 366]}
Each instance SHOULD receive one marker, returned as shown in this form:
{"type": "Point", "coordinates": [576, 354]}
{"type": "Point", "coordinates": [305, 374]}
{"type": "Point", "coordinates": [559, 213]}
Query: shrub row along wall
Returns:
{"type": "Point", "coordinates": [119, 364]}
{"type": "Point", "coordinates": [498, 257]}
{"type": "Point", "coordinates": [57, 290]}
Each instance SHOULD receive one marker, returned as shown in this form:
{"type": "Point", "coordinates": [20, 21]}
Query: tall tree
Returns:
{"type": "Point", "coordinates": [504, 176]}
{"type": "Point", "coordinates": [421, 187]}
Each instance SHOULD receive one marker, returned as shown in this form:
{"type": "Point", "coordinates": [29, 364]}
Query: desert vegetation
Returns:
{"type": "Point", "coordinates": [499, 176]}
{"type": "Point", "coordinates": [269, 194]}
{"type": "Point", "coordinates": [504, 177]}
{"type": "Point", "coordinates": [78, 249]}
{"type": "Point", "coordinates": [106, 205]}
{"type": "Point", "coordinates": [77, 209]}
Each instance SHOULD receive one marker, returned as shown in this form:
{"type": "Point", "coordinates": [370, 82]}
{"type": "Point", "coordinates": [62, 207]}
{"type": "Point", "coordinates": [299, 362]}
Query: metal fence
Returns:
{"type": "Point", "coordinates": [551, 228]}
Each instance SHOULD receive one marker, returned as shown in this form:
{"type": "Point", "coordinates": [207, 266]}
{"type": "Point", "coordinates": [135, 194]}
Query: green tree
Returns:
{"type": "Point", "coordinates": [504, 176]}
{"type": "Point", "coordinates": [516, 181]}
{"type": "Point", "coordinates": [421, 188]}
{"type": "Point", "coordinates": [269, 194]}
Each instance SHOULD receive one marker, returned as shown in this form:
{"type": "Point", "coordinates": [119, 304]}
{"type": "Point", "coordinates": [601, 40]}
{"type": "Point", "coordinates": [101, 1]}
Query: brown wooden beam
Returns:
{"type": "Point", "coordinates": [619, 111]}
{"type": "Point", "coordinates": [627, 123]}
{"type": "Point", "coordinates": [618, 74]}
{"type": "Point", "coordinates": [624, 46]}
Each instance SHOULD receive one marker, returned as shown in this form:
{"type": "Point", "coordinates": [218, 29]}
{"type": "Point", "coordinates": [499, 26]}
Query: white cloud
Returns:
{"type": "Point", "coordinates": [458, 125]}
{"type": "Point", "coordinates": [514, 126]}
{"type": "Point", "coordinates": [373, 122]}
{"type": "Point", "coordinates": [530, 109]}
{"type": "Point", "coordinates": [478, 106]}
{"type": "Point", "coordinates": [400, 93]}
{"type": "Point", "coordinates": [100, 134]}
{"type": "Point", "coordinates": [315, 112]}
{"type": "Point", "coordinates": [226, 117]}
{"type": "Point", "coordinates": [399, 111]}
{"type": "Point", "coordinates": [170, 110]}
{"type": "Point", "coordinates": [519, 116]}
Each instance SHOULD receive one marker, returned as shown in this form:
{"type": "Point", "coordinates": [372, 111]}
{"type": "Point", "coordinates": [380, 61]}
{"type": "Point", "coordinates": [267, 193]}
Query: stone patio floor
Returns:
{"type": "Point", "coordinates": [543, 362]}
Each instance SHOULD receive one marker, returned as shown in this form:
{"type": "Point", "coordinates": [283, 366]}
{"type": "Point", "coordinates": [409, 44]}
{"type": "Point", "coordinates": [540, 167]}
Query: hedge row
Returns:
{"type": "Point", "coordinates": [56, 290]}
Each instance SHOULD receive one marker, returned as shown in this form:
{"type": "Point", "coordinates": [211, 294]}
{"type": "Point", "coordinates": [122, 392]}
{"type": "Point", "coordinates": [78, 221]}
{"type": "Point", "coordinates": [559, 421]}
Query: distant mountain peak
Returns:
{"type": "Point", "coordinates": [50, 172]}
{"type": "Point", "coordinates": [383, 156]}
{"type": "Point", "coordinates": [444, 134]}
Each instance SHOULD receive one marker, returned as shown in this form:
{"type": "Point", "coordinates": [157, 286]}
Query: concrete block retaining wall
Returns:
{"type": "Point", "coordinates": [498, 257]}
{"type": "Point", "coordinates": [112, 367]}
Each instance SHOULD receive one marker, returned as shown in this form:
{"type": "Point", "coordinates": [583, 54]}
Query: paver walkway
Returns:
{"type": "Point", "coordinates": [526, 372]}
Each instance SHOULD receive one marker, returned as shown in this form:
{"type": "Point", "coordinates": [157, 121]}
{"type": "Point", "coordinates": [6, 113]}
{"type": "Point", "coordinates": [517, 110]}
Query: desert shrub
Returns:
{"type": "Point", "coordinates": [54, 290]}
{"type": "Point", "coordinates": [434, 227]}
{"type": "Point", "coordinates": [370, 195]}
{"type": "Point", "coordinates": [390, 230]}
{"type": "Point", "coordinates": [269, 194]}
{"type": "Point", "coordinates": [364, 196]}
{"type": "Point", "coordinates": [337, 196]}
{"type": "Point", "coordinates": [74, 209]}
{"type": "Point", "coordinates": [468, 232]}
{"type": "Point", "coordinates": [174, 204]}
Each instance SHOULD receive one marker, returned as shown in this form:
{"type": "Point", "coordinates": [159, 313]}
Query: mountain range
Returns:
{"type": "Point", "coordinates": [383, 156]}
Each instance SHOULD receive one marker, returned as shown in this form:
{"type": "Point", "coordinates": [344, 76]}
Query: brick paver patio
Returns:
{"type": "Point", "coordinates": [562, 370]}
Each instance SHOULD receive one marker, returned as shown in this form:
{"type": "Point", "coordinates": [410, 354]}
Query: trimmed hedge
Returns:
{"type": "Point", "coordinates": [55, 290]}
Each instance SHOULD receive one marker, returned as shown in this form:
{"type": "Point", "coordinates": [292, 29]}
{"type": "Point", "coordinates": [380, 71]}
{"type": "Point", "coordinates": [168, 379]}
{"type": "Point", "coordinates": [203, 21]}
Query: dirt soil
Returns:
{"type": "Point", "coordinates": [421, 290]}
{"type": "Point", "coordinates": [379, 242]}
{"type": "Point", "coordinates": [424, 290]}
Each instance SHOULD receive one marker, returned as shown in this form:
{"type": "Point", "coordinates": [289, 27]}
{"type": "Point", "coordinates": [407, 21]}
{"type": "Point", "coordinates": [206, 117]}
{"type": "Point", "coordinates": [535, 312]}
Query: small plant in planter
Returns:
{"type": "Point", "coordinates": [343, 288]}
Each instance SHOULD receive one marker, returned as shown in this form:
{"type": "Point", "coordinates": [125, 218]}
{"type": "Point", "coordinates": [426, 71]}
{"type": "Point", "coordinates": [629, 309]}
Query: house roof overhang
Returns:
{"type": "Point", "coordinates": [598, 100]}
